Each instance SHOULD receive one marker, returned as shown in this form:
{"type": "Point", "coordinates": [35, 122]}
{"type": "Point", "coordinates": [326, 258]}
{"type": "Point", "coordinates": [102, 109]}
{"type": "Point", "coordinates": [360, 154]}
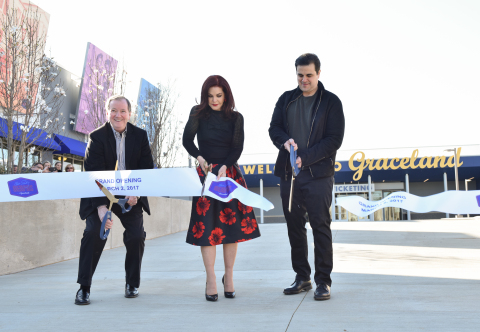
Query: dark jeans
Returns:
{"type": "Point", "coordinates": [312, 196]}
{"type": "Point", "coordinates": [91, 247]}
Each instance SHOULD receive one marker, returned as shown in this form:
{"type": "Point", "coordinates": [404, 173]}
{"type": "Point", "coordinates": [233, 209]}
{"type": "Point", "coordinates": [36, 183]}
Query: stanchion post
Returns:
{"type": "Point", "coordinates": [372, 217]}
{"type": "Point", "coordinates": [445, 187]}
{"type": "Point", "coordinates": [261, 194]}
{"type": "Point", "coordinates": [333, 200]}
{"type": "Point", "coordinates": [407, 189]}
{"type": "Point", "coordinates": [466, 189]}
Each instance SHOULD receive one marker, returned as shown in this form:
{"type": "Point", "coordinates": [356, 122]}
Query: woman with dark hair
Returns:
{"type": "Point", "coordinates": [219, 130]}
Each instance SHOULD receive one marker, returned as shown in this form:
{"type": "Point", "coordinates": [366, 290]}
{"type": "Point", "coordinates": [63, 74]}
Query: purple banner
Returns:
{"type": "Point", "coordinates": [97, 86]}
{"type": "Point", "coordinates": [22, 187]}
{"type": "Point", "coordinates": [222, 188]}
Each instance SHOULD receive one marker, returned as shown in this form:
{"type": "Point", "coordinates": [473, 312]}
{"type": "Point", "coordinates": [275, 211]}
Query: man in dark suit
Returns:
{"type": "Point", "coordinates": [309, 118]}
{"type": "Point", "coordinates": [116, 141]}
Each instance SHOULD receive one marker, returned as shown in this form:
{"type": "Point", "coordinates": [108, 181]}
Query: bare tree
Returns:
{"type": "Point", "coordinates": [120, 79]}
{"type": "Point", "coordinates": [155, 113]}
{"type": "Point", "coordinates": [31, 95]}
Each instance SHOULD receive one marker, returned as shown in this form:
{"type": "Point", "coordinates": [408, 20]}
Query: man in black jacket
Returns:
{"type": "Point", "coordinates": [310, 119]}
{"type": "Point", "coordinates": [115, 141]}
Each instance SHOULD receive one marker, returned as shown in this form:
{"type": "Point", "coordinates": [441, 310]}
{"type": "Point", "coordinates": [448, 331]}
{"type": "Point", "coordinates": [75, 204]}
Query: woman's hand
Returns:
{"type": "Point", "coordinates": [222, 172]}
{"type": "Point", "coordinates": [203, 164]}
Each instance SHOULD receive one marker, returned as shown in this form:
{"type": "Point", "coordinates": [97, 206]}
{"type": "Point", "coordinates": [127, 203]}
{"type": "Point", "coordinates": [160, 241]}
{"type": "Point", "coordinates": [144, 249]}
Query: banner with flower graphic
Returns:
{"type": "Point", "coordinates": [97, 86]}
{"type": "Point", "coordinates": [147, 106]}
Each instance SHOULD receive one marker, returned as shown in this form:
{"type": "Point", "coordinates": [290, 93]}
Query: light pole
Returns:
{"type": "Point", "coordinates": [454, 150]}
{"type": "Point", "coordinates": [466, 189]}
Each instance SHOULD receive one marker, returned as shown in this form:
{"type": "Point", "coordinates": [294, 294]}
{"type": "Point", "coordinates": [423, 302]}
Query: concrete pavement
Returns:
{"type": "Point", "coordinates": [388, 276]}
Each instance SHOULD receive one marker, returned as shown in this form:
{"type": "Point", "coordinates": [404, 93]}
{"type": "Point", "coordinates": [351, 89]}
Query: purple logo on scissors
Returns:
{"type": "Point", "coordinates": [478, 200]}
{"type": "Point", "coordinates": [222, 188]}
{"type": "Point", "coordinates": [22, 187]}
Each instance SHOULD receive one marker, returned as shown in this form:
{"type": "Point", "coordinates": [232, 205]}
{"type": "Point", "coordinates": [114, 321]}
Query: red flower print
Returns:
{"type": "Point", "coordinates": [227, 216]}
{"type": "Point", "coordinates": [203, 204]}
{"type": "Point", "coordinates": [231, 172]}
{"type": "Point", "coordinates": [249, 225]}
{"type": "Point", "coordinates": [216, 237]}
{"type": "Point", "coordinates": [198, 229]}
{"type": "Point", "coordinates": [241, 182]}
{"type": "Point", "coordinates": [242, 240]}
{"type": "Point", "coordinates": [199, 171]}
{"type": "Point", "coordinates": [214, 165]}
{"type": "Point", "coordinates": [244, 208]}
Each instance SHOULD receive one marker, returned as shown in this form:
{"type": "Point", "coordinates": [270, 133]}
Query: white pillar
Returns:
{"type": "Point", "coordinates": [333, 200]}
{"type": "Point", "coordinates": [372, 217]}
{"type": "Point", "coordinates": [407, 189]}
{"type": "Point", "coordinates": [445, 187]}
{"type": "Point", "coordinates": [261, 194]}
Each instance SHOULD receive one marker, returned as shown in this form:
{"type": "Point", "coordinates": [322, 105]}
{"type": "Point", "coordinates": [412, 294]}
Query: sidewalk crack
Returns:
{"type": "Point", "coordinates": [297, 309]}
{"type": "Point", "coordinates": [336, 231]}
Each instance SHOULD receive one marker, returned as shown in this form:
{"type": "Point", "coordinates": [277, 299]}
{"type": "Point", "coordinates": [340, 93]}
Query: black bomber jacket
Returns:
{"type": "Point", "coordinates": [325, 138]}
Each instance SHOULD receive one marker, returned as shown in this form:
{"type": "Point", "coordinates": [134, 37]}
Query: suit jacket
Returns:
{"type": "Point", "coordinates": [101, 155]}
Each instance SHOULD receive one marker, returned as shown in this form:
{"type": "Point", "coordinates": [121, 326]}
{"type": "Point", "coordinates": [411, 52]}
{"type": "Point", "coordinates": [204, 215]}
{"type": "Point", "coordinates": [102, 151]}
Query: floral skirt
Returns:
{"type": "Point", "coordinates": [213, 222]}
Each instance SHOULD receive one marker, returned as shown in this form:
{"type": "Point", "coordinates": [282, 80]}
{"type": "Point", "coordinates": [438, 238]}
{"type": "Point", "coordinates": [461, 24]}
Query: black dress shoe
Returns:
{"type": "Point", "coordinates": [130, 291]}
{"type": "Point", "coordinates": [212, 298]}
{"type": "Point", "coordinates": [228, 295]}
{"type": "Point", "coordinates": [322, 292]}
{"type": "Point", "coordinates": [298, 286]}
{"type": "Point", "coordinates": [82, 297]}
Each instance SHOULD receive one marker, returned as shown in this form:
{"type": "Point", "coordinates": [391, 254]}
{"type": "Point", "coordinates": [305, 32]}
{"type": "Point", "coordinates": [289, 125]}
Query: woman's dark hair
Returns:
{"type": "Point", "coordinates": [202, 110]}
{"type": "Point", "coordinates": [306, 59]}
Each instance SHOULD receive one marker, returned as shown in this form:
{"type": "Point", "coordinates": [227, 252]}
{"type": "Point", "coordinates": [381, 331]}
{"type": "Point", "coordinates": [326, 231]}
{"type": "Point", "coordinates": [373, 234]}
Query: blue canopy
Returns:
{"type": "Point", "coordinates": [70, 145]}
{"type": "Point", "coordinates": [35, 136]}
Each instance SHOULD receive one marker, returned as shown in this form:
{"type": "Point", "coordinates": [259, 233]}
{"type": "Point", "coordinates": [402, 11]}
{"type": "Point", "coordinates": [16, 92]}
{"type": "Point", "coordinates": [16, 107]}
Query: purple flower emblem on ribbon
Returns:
{"type": "Point", "coordinates": [222, 188]}
{"type": "Point", "coordinates": [22, 187]}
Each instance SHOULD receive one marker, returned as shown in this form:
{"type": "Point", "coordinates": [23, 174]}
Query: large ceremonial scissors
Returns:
{"type": "Point", "coordinates": [207, 170]}
{"type": "Point", "coordinates": [295, 171]}
{"type": "Point", "coordinates": [108, 215]}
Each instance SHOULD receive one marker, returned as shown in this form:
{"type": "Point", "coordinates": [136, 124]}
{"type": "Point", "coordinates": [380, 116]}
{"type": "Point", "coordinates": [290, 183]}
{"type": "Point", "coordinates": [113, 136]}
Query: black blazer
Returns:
{"type": "Point", "coordinates": [326, 134]}
{"type": "Point", "coordinates": [101, 155]}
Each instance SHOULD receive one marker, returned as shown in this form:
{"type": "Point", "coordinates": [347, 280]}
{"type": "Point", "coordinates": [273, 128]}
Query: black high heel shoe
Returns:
{"type": "Point", "coordinates": [228, 295]}
{"type": "Point", "coordinates": [212, 298]}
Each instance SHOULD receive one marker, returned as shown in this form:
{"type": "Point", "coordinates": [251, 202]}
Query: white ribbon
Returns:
{"type": "Point", "coordinates": [172, 182]}
{"type": "Point", "coordinates": [216, 190]}
{"type": "Point", "coordinates": [455, 202]}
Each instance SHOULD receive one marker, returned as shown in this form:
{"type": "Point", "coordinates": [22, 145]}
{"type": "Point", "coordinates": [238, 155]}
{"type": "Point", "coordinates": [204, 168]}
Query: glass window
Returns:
{"type": "Point", "coordinates": [78, 165]}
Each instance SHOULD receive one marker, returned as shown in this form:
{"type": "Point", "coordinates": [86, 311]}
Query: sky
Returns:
{"type": "Point", "coordinates": [407, 72]}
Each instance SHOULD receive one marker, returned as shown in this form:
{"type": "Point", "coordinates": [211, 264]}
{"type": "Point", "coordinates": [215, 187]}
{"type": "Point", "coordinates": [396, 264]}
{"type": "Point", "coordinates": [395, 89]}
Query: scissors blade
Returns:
{"type": "Point", "coordinates": [291, 192]}
{"type": "Point", "coordinates": [209, 169]}
{"type": "Point", "coordinates": [109, 195]}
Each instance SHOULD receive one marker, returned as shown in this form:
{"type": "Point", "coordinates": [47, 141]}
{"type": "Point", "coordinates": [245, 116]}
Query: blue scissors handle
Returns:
{"type": "Point", "coordinates": [122, 202]}
{"type": "Point", "coordinates": [293, 161]}
{"type": "Point", "coordinates": [103, 233]}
